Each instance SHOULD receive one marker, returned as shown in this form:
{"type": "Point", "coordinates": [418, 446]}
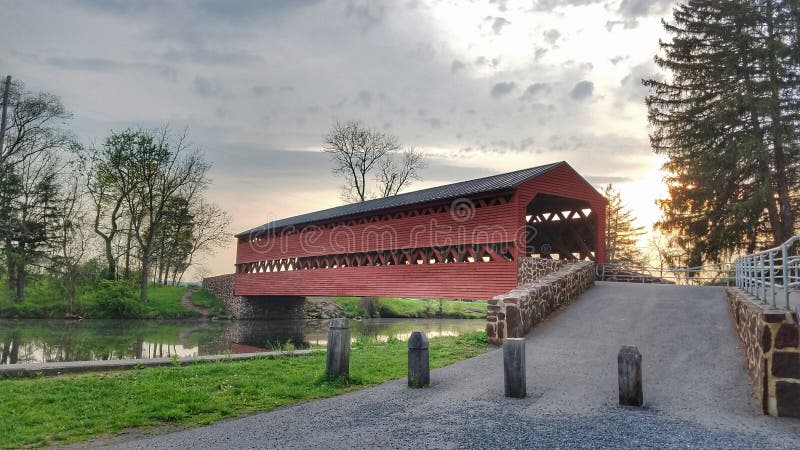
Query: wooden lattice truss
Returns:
{"type": "Point", "coordinates": [470, 253]}
{"type": "Point", "coordinates": [561, 226]}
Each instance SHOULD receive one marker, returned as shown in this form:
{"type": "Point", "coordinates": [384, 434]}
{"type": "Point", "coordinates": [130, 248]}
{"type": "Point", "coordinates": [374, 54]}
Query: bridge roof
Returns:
{"type": "Point", "coordinates": [494, 183]}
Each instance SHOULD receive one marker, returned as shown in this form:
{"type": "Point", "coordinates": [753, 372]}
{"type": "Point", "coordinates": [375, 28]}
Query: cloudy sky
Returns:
{"type": "Point", "coordinates": [481, 87]}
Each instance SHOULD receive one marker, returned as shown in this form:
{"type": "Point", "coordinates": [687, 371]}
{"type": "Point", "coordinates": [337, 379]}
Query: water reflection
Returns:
{"type": "Point", "coordinates": [55, 341]}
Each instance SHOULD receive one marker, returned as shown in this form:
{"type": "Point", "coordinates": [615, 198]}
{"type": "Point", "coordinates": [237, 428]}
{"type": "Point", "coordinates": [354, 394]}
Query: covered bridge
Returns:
{"type": "Point", "coordinates": [462, 240]}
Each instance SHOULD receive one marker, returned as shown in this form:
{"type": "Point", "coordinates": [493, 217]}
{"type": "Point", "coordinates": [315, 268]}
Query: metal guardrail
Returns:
{"type": "Point", "coordinates": [767, 272]}
{"type": "Point", "coordinates": [712, 274]}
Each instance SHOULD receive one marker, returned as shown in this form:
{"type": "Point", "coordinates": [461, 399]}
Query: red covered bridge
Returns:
{"type": "Point", "coordinates": [461, 241]}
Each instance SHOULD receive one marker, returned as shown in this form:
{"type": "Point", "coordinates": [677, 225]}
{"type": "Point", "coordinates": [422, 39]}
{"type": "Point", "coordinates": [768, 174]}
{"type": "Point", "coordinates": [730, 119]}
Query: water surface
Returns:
{"type": "Point", "coordinates": [23, 341]}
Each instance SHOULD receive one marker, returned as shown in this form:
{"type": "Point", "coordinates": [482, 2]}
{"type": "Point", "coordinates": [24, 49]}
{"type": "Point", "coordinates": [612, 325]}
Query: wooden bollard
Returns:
{"type": "Point", "coordinates": [419, 371]}
{"type": "Point", "coordinates": [630, 376]}
{"type": "Point", "coordinates": [514, 367]}
{"type": "Point", "coordinates": [338, 361]}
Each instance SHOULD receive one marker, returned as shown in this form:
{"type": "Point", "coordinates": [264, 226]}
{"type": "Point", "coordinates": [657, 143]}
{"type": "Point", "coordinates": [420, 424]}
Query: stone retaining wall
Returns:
{"type": "Point", "coordinates": [514, 314]}
{"type": "Point", "coordinates": [770, 342]}
{"type": "Point", "coordinates": [253, 307]}
{"type": "Point", "coordinates": [531, 269]}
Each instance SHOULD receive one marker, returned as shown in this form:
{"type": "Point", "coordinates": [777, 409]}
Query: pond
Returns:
{"type": "Point", "coordinates": [24, 341]}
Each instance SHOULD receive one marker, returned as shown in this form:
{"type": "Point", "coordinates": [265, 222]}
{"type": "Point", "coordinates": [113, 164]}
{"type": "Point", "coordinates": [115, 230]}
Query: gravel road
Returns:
{"type": "Point", "coordinates": [695, 387]}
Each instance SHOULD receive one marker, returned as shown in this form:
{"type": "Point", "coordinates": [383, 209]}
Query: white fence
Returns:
{"type": "Point", "coordinates": [712, 274]}
{"type": "Point", "coordinates": [771, 273]}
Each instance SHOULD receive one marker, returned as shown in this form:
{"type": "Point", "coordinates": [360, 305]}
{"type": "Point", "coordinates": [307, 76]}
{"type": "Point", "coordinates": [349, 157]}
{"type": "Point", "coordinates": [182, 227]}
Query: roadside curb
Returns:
{"type": "Point", "coordinates": [60, 368]}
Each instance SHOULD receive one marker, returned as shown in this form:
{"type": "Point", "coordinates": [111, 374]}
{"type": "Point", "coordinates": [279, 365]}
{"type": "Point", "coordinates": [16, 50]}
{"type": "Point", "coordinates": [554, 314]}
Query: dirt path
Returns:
{"type": "Point", "coordinates": [187, 303]}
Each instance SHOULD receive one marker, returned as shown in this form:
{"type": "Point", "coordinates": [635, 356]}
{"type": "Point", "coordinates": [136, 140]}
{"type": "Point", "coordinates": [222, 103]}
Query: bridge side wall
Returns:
{"type": "Point", "coordinates": [513, 314]}
{"type": "Point", "coordinates": [771, 344]}
{"type": "Point", "coordinates": [254, 307]}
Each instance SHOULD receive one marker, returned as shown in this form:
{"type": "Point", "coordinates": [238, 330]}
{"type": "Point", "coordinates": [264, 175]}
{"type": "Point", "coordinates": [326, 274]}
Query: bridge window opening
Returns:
{"type": "Point", "coordinates": [560, 228]}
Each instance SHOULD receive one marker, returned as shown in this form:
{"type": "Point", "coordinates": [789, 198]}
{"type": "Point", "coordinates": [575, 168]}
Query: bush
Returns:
{"type": "Point", "coordinates": [114, 300]}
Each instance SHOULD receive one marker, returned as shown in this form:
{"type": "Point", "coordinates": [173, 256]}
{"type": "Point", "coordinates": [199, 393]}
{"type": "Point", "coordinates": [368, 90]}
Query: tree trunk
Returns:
{"type": "Point", "coordinates": [110, 260]}
{"type": "Point", "coordinates": [19, 292]}
{"type": "Point", "coordinates": [144, 280]}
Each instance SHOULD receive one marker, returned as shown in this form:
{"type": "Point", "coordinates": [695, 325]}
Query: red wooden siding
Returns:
{"type": "Point", "coordinates": [489, 224]}
{"type": "Point", "coordinates": [310, 262]}
{"type": "Point", "coordinates": [452, 281]}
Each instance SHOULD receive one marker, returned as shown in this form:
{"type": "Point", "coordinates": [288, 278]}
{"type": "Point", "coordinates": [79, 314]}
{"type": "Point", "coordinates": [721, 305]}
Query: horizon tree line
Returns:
{"type": "Point", "coordinates": [132, 208]}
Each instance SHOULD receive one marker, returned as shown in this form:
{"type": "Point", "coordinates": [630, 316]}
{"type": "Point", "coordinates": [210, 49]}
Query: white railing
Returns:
{"type": "Point", "coordinates": [712, 274]}
{"type": "Point", "coordinates": [771, 272]}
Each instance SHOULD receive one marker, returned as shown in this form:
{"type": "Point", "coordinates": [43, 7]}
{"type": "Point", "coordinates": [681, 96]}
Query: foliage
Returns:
{"type": "Point", "coordinates": [728, 119]}
{"type": "Point", "coordinates": [72, 408]}
{"type": "Point", "coordinates": [114, 300]}
{"type": "Point", "coordinates": [392, 307]}
{"type": "Point", "coordinates": [621, 232]}
{"type": "Point", "coordinates": [359, 153]}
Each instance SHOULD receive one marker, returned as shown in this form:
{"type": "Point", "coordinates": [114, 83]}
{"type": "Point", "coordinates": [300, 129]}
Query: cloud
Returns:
{"type": "Point", "coordinates": [93, 64]}
{"type": "Point", "coordinates": [364, 98]}
{"type": "Point", "coordinates": [208, 87]}
{"type": "Point", "coordinates": [551, 36]}
{"type": "Point", "coordinates": [367, 14]}
{"type": "Point", "coordinates": [484, 61]}
{"type": "Point", "coordinates": [627, 24]}
{"type": "Point", "coordinates": [550, 5]}
{"type": "Point", "coordinates": [582, 90]}
{"type": "Point", "coordinates": [631, 88]}
{"type": "Point", "coordinates": [502, 88]}
{"type": "Point", "coordinates": [498, 23]}
{"type": "Point", "coordinates": [456, 66]}
{"type": "Point", "coordinates": [501, 4]}
{"type": "Point", "coordinates": [261, 90]}
{"type": "Point", "coordinates": [642, 8]}
{"type": "Point", "coordinates": [536, 89]}
{"type": "Point", "coordinates": [617, 59]}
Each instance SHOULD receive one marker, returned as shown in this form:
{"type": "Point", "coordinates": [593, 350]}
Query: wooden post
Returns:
{"type": "Point", "coordinates": [338, 361]}
{"type": "Point", "coordinates": [514, 367]}
{"type": "Point", "coordinates": [419, 372]}
{"type": "Point", "coordinates": [630, 376]}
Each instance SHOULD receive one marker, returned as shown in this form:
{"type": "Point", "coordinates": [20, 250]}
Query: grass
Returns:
{"type": "Point", "coordinates": [411, 308]}
{"type": "Point", "coordinates": [37, 412]}
{"type": "Point", "coordinates": [43, 300]}
{"type": "Point", "coordinates": [205, 299]}
{"type": "Point", "coordinates": [165, 302]}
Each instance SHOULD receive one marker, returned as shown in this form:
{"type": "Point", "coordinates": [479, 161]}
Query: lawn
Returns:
{"type": "Point", "coordinates": [103, 300]}
{"type": "Point", "coordinates": [411, 308]}
{"type": "Point", "coordinates": [37, 412]}
{"type": "Point", "coordinates": [205, 299]}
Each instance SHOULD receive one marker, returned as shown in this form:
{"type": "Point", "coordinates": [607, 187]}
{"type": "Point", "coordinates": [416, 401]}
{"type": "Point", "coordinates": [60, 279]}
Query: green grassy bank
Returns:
{"type": "Point", "coordinates": [37, 412]}
{"type": "Point", "coordinates": [410, 308]}
{"type": "Point", "coordinates": [106, 300]}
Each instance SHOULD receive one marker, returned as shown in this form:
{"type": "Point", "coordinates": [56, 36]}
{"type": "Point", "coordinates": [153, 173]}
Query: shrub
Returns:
{"type": "Point", "coordinates": [114, 300]}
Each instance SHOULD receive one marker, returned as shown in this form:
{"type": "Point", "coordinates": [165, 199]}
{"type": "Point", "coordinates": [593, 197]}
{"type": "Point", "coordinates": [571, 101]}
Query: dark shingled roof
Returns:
{"type": "Point", "coordinates": [493, 183]}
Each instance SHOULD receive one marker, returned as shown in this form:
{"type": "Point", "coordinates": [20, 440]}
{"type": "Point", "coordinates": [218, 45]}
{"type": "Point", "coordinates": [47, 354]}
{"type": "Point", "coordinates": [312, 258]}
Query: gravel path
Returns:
{"type": "Point", "coordinates": [695, 386]}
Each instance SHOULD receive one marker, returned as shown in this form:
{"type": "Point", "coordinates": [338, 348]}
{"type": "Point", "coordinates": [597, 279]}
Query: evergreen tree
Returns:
{"type": "Point", "coordinates": [621, 232]}
{"type": "Point", "coordinates": [727, 119]}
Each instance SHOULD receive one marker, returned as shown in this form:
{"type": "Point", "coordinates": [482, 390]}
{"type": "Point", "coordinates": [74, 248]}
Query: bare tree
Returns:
{"type": "Point", "coordinates": [35, 125]}
{"type": "Point", "coordinates": [358, 151]}
{"type": "Point", "coordinates": [399, 171]}
{"type": "Point", "coordinates": [209, 232]}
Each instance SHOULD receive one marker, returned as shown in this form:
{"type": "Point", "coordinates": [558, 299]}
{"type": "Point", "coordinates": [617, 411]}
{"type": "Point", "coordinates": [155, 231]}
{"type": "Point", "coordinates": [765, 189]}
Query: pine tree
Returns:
{"type": "Point", "coordinates": [727, 121]}
{"type": "Point", "coordinates": [621, 232]}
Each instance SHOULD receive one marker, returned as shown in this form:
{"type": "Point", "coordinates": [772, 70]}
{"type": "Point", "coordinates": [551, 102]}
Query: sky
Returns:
{"type": "Point", "coordinates": [480, 87]}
